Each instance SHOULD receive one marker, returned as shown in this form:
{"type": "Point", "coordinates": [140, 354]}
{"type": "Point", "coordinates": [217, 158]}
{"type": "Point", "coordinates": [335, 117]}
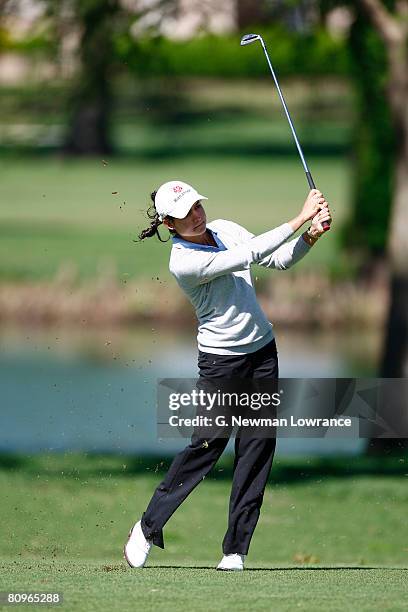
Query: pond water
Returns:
{"type": "Point", "coordinates": [92, 390]}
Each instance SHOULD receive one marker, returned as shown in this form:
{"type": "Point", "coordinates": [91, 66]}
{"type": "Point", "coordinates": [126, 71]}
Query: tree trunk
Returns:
{"type": "Point", "coordinates": [394, 31]}
{"type": "Point", "coordinates": [91, 96]}
{"type": "Point", "coordinates": [395, 353]}
{"type": "Point", "coordinates": [395, 356]}
{"type": "Point", "coordinates": [373, 148]}
{"type": "Point", "coordinates": [88, 131]}
{"type": "Point", "coordinates": [249, 13]}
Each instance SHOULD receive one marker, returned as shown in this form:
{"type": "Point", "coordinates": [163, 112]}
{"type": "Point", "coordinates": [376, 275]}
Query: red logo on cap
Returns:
{"type": "Point", "coordinates": [177, 189]}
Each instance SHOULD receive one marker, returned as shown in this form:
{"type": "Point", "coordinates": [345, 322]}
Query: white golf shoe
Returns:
{"type": "Point", "coordinates": [137, 548]}
{"type": "Point", "coordinates": [232, 563]}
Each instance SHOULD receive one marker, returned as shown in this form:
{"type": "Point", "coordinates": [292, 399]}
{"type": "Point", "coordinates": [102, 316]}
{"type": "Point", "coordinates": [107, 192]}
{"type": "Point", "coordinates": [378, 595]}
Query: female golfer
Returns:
{"type": "Point", "coordinates": [211, 263]}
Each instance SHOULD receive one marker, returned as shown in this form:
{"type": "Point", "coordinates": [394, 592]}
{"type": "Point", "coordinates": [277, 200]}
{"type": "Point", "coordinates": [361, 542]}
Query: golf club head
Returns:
{"type": "Point", "coordinates": [247, 39]}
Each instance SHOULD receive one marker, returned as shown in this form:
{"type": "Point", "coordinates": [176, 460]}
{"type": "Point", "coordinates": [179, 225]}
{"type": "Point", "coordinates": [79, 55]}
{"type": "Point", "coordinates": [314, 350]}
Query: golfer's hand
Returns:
{"type": "Point", "coordinates": [316, 228]}
{"type": "Point", "coordinates": [314, 202]}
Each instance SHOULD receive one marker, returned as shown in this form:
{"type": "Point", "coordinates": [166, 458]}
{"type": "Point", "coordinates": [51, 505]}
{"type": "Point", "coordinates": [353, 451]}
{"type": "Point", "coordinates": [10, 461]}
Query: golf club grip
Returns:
{"type": "Point", "coordinates": [325, 224]}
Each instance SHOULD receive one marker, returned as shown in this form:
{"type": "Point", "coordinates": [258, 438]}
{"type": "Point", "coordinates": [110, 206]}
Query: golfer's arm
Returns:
{"type": "Point", "coordinates": [286, 255]}
{"type": "Point", "coordinates": [200, 267]}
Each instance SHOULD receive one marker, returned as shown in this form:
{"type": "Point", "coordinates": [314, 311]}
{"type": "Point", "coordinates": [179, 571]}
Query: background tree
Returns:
{"type": "Point", "coordinates": [98, 25]}
{"type": "Point", "coordinates": [378, 44]}
{"type": "Point", "coordinates": [373, 146]}
{"type": "Point", "coordinates": [96, 22]}
{"type": "Point", "coordinates": [373, 143]}
{"type": "Point", "coordinates": [299, 16]}
{"type": "Point", "coordinates": [393, 29]}
{"type": "Point", "coordinates": [249, 13]}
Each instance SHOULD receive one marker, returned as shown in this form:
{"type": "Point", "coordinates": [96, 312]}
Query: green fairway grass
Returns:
{"type": "Point", "coordinates": [89, 585]}
{"type": "Point", "coordinates": [86, 213]}
{"type": "Point", "coordinates": [332, 535]}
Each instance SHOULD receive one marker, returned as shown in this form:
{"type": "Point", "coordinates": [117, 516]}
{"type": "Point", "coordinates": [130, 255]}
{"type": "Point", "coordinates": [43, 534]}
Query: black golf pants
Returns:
{"type": "Point", "coordinates": [252, 464]}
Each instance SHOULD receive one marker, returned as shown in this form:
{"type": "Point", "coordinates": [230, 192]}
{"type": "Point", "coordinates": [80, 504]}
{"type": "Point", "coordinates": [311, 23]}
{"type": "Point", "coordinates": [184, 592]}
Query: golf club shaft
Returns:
{"type": "Point", "coordinates": [309, 177]}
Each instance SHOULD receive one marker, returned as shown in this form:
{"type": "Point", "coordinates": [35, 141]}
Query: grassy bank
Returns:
{"type": "Point", "coordinates": [297, 299]}
{"type": "Point", "coordinates": [332, 535]}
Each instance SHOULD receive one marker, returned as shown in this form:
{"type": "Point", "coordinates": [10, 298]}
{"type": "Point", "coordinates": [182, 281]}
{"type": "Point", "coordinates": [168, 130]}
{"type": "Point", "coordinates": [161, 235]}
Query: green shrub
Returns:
{"type": "Point", "coordinates": [208, 55]}
{"type": "Point", "coordinates": [374, 143]}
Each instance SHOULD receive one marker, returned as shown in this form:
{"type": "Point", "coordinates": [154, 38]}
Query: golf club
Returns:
{"type": "Point", "coordinates": [247, 39]}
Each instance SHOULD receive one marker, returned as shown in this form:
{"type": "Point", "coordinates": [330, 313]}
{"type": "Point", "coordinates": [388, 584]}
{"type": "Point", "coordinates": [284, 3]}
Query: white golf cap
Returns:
{"type": "Point", "coordinates": [175, 198]}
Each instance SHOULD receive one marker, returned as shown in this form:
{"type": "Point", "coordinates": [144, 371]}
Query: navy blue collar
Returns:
{"type": "Point", "coordinates": [195, 245]}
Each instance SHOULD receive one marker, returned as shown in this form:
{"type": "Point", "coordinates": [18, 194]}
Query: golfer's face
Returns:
{"type": "Point", "coordinates": [194, 224]}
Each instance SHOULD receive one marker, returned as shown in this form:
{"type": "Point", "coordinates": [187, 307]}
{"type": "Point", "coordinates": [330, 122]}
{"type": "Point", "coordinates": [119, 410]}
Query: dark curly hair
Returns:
{"type": "Point", "coordinates": [153, 229]}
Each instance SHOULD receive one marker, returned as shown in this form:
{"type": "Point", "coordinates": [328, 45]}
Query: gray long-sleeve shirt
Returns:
{"type": "Point", "coordinates": [218, 283]}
